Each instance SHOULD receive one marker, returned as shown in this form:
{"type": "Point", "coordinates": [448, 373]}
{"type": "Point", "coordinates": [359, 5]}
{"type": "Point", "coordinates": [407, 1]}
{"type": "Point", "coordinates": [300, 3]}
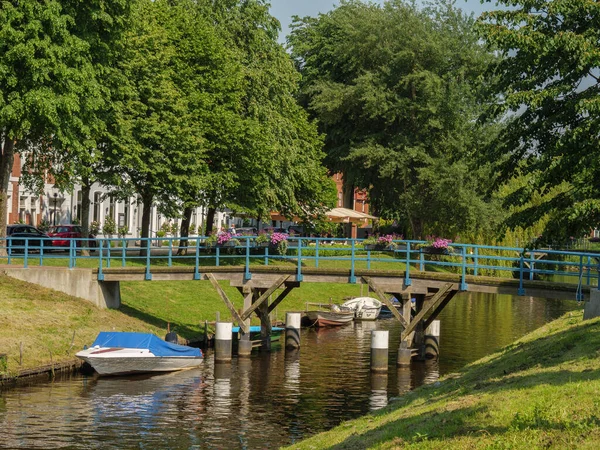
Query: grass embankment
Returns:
{"type": "Point", "coordinates": [543, 391]}
{"type": "Point", "coordinates": [44, 320]}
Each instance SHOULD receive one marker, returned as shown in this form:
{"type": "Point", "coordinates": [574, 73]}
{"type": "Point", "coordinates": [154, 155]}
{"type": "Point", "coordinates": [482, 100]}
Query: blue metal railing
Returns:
{"type": "Point", "coordinates": [582, 268]}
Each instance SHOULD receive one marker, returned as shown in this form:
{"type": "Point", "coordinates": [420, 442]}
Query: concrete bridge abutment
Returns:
{"type": "Point", "coordinates": [82, 283]}
{"type": "Point", "coordinates": [591, 308]}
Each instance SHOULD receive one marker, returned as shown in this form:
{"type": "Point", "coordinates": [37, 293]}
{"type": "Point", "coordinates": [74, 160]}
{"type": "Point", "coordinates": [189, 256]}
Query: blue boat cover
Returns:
{"type": "Point", "coordinates": [146, 341]}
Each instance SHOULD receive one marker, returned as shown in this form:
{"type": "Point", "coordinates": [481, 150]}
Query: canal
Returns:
{"type": "Point", "coordinates": [267, 401]}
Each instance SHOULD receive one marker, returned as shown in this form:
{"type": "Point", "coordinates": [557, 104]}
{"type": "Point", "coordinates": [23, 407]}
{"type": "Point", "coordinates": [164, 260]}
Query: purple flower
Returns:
{"type": "Point", "coordinates": [441, 243]}
{"type": "Point", "coordinates": [223, 238]}
{"type": "Point", "coordinates": [276, 238]}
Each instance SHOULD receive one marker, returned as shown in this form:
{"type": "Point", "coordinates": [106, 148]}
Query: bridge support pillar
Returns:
{"type": "Point", "coordinates": [592, 306]}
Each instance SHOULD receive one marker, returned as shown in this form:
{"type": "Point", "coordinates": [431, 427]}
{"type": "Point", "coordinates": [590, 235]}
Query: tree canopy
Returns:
{"type": "Point", "coordinates": [397, 90]}
{"type": "Point", "coordinates": [547, 84]}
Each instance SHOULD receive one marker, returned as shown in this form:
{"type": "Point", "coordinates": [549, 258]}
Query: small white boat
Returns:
{"type": "Point", "coordinates": [122, 353]}
{"type": "Point", "coordinates": [333, 318]}
{"type": "Point", "coordinates": [365, 308]}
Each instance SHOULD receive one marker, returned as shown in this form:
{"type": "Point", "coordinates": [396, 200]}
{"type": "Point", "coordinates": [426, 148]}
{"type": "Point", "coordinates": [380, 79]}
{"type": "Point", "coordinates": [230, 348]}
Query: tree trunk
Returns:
{"type": "Point", "coordinates": [86, 188]}
{"type": "Point", "coordinates": [6, 163]}
{"type": "Point", "coordinates": [146, 216]}
{"type": "Point", "coordinates": [184, 231]}
{"type": "Point", "coordinates": [210, 218]}
{"type": "Point", "coordinates": [348, 202]}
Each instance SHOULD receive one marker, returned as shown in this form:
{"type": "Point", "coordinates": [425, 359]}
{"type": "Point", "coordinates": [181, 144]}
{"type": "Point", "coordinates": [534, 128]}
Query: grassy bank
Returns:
{"type": "Point", "coordinates": [51, 326]}
{"type": "Point", "coordinates": [543, 391]}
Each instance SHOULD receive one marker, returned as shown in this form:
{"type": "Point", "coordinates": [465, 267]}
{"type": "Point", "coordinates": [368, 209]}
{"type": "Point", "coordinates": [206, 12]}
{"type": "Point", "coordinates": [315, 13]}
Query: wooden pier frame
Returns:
{"type": "Point", "coordinates": [256, 300]}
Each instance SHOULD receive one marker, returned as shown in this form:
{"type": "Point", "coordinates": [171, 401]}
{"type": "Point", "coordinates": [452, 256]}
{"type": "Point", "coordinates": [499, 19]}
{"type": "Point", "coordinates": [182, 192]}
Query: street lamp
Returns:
{"type": "Point", "coordinates": [55, 200]}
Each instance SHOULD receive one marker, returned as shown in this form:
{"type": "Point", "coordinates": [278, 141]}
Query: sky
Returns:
{"type": "Point", "coordinates": [285, 9]}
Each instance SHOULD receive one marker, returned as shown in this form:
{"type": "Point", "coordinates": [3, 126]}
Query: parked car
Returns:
{"type": "Point", "coordinates": [246, 231]}
{"type": "Point", "coordinates": [19, 233]}
{"type": "Point", "coordinates": [62, 234]}
{"type": "Point", "coordinates": [271, 230]}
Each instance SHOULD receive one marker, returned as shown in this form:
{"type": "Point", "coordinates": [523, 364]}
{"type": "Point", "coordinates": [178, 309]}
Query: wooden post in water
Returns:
{"type": "Point", "coordinates": [419, 337]}
{"type": "Point", "coordinates": [379, 350]}
{"type": "Point", "coordinates": [404, 355]}
{"type": "Point", "coordinates": [432, 340]}
{"type": "Point", "coordinates": [292, 330]}
{"type": "Point", "coordinates": [223, 341]}
{"type": "Point", "coordinates": [265, 322]}
{"type": "Point", "coordinates": [245, 344]}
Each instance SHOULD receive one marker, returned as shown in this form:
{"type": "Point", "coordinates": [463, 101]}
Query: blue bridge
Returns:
{"type": "Point", "coordinates": [424, 279]}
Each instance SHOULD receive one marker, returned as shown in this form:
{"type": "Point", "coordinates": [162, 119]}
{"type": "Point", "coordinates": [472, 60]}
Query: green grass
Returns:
{"type": "Point", "coordinates": [543, 391]}
{"type": "Point", "coordinates": [43, 321]}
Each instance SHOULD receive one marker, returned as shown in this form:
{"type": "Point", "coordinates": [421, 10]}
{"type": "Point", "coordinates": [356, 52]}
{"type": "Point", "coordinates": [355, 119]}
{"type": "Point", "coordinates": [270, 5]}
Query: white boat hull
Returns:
{"type": "Point", "coordinates": [118, 361]}
{"type": "Point", "coordinates": [329, 318]}
{"type": "Point", "coordinates": [365, 308]}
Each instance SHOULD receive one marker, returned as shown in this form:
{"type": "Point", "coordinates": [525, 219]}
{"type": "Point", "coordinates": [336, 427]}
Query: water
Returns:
{"type": "Point", "coordinates": [267, 401]}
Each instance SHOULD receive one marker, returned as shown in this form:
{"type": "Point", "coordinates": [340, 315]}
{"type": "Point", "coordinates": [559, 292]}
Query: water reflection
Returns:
{"type": "Point", "coordinates": [266, 401]}
{"type": "Point", "coordinates": [379, 396]}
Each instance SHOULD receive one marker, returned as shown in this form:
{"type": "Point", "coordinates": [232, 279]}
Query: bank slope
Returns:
{"type": "Point", "coordinates": [51, 326]}
{"type": "Point", "coordinates": [543, 391]}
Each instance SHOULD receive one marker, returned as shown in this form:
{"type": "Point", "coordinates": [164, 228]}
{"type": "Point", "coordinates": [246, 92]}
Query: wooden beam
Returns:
{"type": "Point", "coordinates": [384, 298]}
{"type": "Point", "coordinates": [265, 296]}
{"type": "Point", "coordinates": [435, 301]}
{"type": "Point", "coordinates": [439, 309]}
{"type": "Point", "coordinates": [280, 297]}
{"type": "Point", "coordinates": [240, 321]}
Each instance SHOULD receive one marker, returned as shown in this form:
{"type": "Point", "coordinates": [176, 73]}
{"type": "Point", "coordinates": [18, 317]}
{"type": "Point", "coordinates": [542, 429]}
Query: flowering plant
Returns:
{"type": "Point", "coordinates": [262, 238]}
{"type": "Point", "coordinates": [437, 244]}
{"type": "Point", "coordinates": [280, 242]}
{"type": "Point", "coordinates": [383, 241]}
{"type": "Point", "coordinates": [223, 238]}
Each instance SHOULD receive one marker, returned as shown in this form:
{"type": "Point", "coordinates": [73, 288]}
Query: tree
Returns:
{"type": "Point", "coordinates": [396, 90]}
{"type": "Point", "coordinates": [47, 88]}
{"type": "Point", "coordinates": [273, 161]}
{"type": "Point", "coordinates": [547, 85]}
{"type": "Point", "coordinates": [158, 142]}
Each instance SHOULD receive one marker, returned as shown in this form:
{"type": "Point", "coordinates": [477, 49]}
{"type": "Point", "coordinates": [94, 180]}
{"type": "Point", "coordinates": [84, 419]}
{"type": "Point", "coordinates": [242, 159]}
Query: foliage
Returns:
{"type": "Point", "coordinates": [48, 89]}
{"type": "Point", "coordinates": [262, 238]}
{"type": "Point", "coordinates": [437, 244]}
{"type": "Point", "coordinates": [44, 225]}
{"type": "Point", "coordinates": [192, 228]}
{"type": "Point", "coordinates": [110, 227]}
{"type": "Point", "coordinates": [279, 241]}
{"type": "Point", "coordinates": [547, 89]}
{"type": "Point", "coordinates": [397, 90]}
{"type": "Point", "coordinates": [123, 231]}
{"type": "Point", "coordinates": [94, 228]}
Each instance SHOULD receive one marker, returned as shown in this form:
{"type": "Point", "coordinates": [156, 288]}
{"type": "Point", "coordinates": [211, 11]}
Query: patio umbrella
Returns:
{"type": "Point", "coordinates": [345, 215]}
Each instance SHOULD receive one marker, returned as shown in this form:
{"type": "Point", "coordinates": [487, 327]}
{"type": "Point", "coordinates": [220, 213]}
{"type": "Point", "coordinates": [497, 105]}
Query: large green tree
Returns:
{"type": "Point", "coordinates": [273, 162]}
{"type": "Point", "coordinates": [548, 89]}
{"type": "Point", "coordinates": [48, 87]}
{"type": "Point", "coordinates": [396, 89]}
{"type": "Point", "coordinates": [159, 144]}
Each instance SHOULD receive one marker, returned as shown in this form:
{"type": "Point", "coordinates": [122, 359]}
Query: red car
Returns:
{"type": "Point", "coordinates": [62, 234]}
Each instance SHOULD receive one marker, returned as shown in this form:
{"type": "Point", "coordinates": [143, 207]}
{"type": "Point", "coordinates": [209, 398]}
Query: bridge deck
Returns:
{"type": "Point", "coordinates": [388, 280]}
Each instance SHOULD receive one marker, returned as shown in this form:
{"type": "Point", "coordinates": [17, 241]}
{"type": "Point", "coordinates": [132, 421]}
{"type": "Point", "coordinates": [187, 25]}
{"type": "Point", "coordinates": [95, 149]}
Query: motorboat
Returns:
{"type": "Point", "coordinates": [365, 308]}
{"type": "Point", "coordinates": [334, 317]}
{"type": "Point", "coordinates": [122, 353]}
{"type": "Point", "coordinates": [276, 333]}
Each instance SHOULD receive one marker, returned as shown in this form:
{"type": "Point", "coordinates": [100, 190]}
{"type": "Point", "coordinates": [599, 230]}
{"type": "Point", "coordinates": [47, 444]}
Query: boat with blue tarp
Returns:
{"type": "Point", "coordinates": [122, 353]}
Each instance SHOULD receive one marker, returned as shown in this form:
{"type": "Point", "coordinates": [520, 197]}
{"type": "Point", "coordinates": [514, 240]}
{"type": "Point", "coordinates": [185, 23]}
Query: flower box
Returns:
{"type": "Point", "coordinates": [435, 250]}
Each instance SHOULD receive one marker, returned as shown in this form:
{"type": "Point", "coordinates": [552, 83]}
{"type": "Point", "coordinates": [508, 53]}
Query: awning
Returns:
{"type": "Point", "coordinates": [345, 215]}
{"type": "Point", "coordinates": [338, 215]}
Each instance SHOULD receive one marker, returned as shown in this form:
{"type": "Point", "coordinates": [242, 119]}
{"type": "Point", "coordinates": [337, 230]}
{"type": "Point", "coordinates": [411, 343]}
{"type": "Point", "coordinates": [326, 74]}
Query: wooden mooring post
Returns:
{"type": "Point", "coordinates": [256, 300]}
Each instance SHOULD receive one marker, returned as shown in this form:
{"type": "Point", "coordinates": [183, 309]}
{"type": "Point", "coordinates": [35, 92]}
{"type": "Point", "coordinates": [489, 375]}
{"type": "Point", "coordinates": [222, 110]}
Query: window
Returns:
{"type": "Point", "coordinates": [77, 208]}
{"type": "Point", "coordinates": [97, 206]}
